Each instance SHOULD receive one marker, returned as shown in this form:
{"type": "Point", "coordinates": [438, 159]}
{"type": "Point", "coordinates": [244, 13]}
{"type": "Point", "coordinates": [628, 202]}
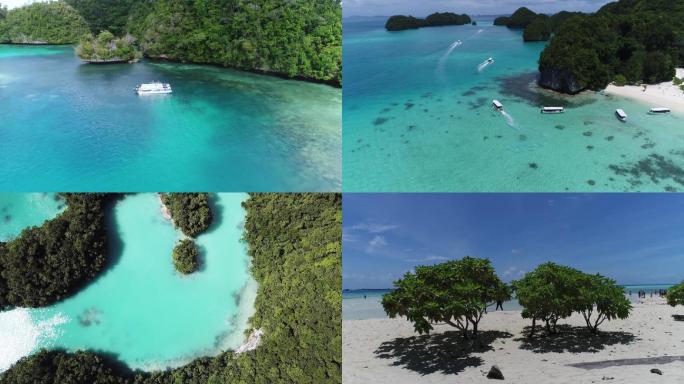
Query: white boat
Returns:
{"type": "Point", "coordinates": [621, 115]}
{"type": "Point", "coordinates": [155, 88]}
{"type": "Point", "coordinates": [552, 110]}
{"type": "Point", "coordinates": [497, 105]}
{"type": "Point", "coordinates": [659, 111]}
{"type": "Point", "coordinates": [489, 60]}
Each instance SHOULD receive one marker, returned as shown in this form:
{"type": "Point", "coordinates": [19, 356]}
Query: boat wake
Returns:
{"type": "Point", "coordinates": [481, 67]}
{"type": "Point", "coordinates": [20, 334]}
{"type": "Point", "coordinates": [509, 119]}
{"type": "Point", "coordinates": [445, 56]}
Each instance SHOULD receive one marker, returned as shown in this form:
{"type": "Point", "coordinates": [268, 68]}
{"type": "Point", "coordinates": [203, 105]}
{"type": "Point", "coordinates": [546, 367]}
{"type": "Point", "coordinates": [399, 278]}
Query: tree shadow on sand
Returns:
{"type": "Point", "coordinates": [572, 339]}
{"type": "Point", "coordinates": [447, 352]}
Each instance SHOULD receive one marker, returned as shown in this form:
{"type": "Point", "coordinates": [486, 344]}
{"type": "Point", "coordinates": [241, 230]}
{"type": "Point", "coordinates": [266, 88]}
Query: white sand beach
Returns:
{"type": "Point", "coordinates": [659, 95]}
{"type": "Point", "coordinates": [389, 351]}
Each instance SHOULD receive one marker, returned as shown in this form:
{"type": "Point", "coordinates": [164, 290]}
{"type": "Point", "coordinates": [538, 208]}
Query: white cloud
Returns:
{"type": "Point", "coordinates": [428, 259]}
{"type": "Point", "coordinates": [373, 227]}
{"type": "Point", "coordinates": [513, 272]}
{"type": "Point", "coordinates": [515, 251]}
{"type": "Point", "coordinates": [375, 243]}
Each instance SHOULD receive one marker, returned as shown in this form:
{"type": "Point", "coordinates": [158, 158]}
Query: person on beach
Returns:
{"type": "Point", "coordinates": [364, 297]}
{"type": "Point", "coordinates": [499, 304]}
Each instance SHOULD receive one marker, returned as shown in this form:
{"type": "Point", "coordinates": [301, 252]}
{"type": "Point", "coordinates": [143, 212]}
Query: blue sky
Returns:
{"type": "Point", "coordinates": [472, 7]}
{"type": "Point", "coordinates": [633, 238]}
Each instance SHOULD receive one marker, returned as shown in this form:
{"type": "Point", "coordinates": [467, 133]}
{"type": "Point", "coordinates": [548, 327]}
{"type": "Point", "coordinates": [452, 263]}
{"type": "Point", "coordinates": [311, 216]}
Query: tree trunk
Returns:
{"type": "Point", "coordinates": [474, 329]}
{"type": "Point", "coordinates": [534, 324]}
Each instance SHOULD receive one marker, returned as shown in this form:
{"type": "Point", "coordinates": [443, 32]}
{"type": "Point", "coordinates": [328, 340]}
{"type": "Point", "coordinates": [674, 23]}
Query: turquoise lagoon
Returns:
{"type": "Point", "coordinates": [141, 309]}
{"type": "Point", "coordinates": [22, 210]}
{"type": "Point", "coordinates": [418, 117]}
{"type": "Point", "coordinates": [78, 127]}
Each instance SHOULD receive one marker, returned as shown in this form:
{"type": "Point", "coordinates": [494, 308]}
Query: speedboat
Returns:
{"type": "Point", "coordinates": [497, 105]}
{"type": "Point", "coordinates": [155, 88]}
{"type": "Point", "coordinates": [659, 111]}
{"type": "Point", "coordinates": [552, 110]}
{"type": "Point", "coordinates": [621, 115]}
{"type": "Point", "coordinates": [489, 60]}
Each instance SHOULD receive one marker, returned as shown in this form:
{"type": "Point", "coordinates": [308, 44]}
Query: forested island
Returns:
{"type": "Point", "coordinates": [192, 214]}
{"type": "Point", "coordinates": [294, 243]}
{"type": "Point", "coordinates": [301, 39]}
{"type": "Point", "coordinates": [401, 22]}
{"type": "Point", "coordinates": [42, 23]}
{"type": "Point", "coordinates": [627, 42]}
{"type": "Point", "coordinates": [535, 26]}
{"type": "Point", "coordinates": [635, 40]}
{"type": "Point", "coordinates": [105, 48]}
{"type": "Point", "coordinates": [46, 264]}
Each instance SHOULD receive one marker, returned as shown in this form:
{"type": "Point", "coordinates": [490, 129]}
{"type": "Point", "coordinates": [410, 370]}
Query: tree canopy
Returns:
{"type": "Point", "coordinates": [552, 292]}
{"type": "Point", "coordinates": [42, 23]}
{"type": "Point", "coordinates": [639, 40]}
{"type": "Point", "coordinates": [455, 292]}
{"type": "Point", "coordinates": [107, 48]}
{"type": "Point", "coordinates": [675, 295]}
{"type": "Point", "coordinates": [186, 257]}
{"type": "Point", "coordinates": [105, 15]}
{"type": "Point", "coordinates": [521, 18]}
{"type": "Point", "coordinates": [48, 263]}
{"type": "Point", "coordinates": [297, 39]}
{"type": "Point", "coordinates": [294, 38]}
{"type": "Point", "coordinates": [401, 22]}
{"type": "Point", "coordinates": [190, 211]}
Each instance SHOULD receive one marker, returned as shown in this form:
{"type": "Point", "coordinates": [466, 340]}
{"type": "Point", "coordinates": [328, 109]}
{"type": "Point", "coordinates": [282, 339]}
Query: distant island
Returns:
{"type": "Point", "coordinates": [401, 22]}
{"type": "Point", "coordinates": [301, 39]}
{"type": "Point", "coordinates": [535, 26]}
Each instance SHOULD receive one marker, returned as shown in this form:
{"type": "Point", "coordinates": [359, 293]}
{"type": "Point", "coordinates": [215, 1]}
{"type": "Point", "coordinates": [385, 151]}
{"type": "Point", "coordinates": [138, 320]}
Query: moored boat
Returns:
{"type": "Point", "coordinates": [659, 111]}
{"type": "Point", "coordinates": [621, 115]}
{"type": "Point", "coordinates": [552, 110]}
{"type": "Point", "coordinates": [155, 88]}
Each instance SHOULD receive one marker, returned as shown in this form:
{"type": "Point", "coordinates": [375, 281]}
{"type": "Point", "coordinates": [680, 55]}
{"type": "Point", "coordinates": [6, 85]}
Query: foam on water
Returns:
{"type": "Point", "coordinates": [509, 119]}
{"type": "Point", "coordinates": [21, 334]}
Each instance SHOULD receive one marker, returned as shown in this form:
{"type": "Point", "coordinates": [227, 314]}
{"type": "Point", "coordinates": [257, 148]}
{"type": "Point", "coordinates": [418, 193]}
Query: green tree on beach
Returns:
{"type": "Point", "coordinates": [552, 292]}
{"type": "Point", "coordinates": [602, 297]}
{"type": "Point", "coordinates": [456, 292]}
{"type": "Point", "coordinates": [547, 293]}
{"type": "Point", "coordinates": [675, 295]}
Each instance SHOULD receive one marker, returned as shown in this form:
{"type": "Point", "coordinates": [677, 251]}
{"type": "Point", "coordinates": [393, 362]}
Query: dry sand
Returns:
{"type": "Point", "coordinates": [389, 351]}
{"type": "Point", "coordinates": [665, 94]}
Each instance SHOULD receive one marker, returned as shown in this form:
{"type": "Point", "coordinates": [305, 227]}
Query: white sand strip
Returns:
{"type": "Point", "coordinates": [389, 351]}
{"type": "Point", "coordinates": [665, 94]}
